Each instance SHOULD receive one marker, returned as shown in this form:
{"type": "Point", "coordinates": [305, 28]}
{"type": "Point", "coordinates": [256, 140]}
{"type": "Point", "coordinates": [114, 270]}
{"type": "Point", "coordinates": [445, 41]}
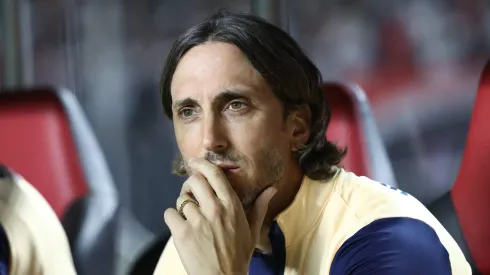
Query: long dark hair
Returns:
{"type": "Point", "coordinates": [294, 79]}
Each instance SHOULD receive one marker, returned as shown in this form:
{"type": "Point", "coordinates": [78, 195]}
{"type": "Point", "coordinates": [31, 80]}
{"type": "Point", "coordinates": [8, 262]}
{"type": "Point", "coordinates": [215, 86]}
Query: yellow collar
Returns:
{"type": "Point", "coordinates": [306, 209]}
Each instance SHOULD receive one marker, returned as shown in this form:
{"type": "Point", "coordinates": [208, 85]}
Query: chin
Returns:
{"type": "Point", "coordinates": [248, 204]}
{"type": "Point", "coordinates": [247, 208]}
{"type": "Point", "coordinates": [249, 198]}
{"type": "Point", "coordinates": [244, 188]}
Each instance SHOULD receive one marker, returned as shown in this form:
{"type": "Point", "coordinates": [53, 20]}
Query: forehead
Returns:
{"type": "Point", "coordinates": [211, 68]}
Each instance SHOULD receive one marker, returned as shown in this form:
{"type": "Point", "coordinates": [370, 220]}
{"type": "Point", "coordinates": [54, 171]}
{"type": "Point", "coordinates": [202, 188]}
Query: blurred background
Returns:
{"type": "Point", "coordinates": [418, 61]}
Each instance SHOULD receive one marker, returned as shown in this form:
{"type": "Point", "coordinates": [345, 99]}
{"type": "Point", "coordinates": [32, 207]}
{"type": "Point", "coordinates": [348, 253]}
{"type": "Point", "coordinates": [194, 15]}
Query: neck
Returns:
{"type": "Point", "coordinates": [286, 192]}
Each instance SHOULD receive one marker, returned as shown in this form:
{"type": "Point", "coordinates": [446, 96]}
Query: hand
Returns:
{"type": "Point", "coordinates": [217, 237]}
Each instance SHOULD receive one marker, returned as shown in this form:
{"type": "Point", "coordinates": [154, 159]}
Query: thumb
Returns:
{"type": "Point", "coordinates": [259, 209]}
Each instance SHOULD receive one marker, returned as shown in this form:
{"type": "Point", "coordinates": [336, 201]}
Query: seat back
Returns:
{"type": "Point", "coordinates": [46, 138]}
{"type": "Point", "coordinates": [352, 125]}
{"type": "Point", "coordinates": [471, 192]}
{"type": "Point", "coordinates": [36, 142]}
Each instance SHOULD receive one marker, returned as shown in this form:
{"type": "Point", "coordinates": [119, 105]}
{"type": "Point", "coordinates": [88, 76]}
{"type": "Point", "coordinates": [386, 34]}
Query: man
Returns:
{"type": "Point", "coordinates": [32, 240]}
{"type": "Point", "coordinates": [265, 194]}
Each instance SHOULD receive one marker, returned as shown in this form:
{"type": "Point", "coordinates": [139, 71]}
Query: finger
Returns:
{"type": "Point", "coordinates": [216, 178]}
{"type": "Point", "coordinates": [259, 210]}
{"type": "Point", "coordinates": [197, 186]}
{"type": "Point", "coordinates": [174, 220]}
{"type": "Point", "coordinates": [191, 209]}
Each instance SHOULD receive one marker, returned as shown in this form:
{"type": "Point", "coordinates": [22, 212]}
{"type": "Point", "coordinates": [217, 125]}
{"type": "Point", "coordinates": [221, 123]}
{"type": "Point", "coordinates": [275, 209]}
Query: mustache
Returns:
{"type": "Point", "coordinates": [179, 166]}
{"type": "Point", "coordinates": [214, 157]}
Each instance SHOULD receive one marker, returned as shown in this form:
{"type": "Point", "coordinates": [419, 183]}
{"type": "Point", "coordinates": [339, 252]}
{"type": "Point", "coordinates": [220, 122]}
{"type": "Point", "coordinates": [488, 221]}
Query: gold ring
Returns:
{"type": "Point", "coordinates": [184, 203]}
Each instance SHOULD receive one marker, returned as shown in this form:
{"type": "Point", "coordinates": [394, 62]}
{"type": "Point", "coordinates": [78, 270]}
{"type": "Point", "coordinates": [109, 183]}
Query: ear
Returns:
{"type": "Point", "coordinates": [300, 121]}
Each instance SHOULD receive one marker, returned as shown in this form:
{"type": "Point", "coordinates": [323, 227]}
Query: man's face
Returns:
{"type": "Point", "coordinates": [224, 111]}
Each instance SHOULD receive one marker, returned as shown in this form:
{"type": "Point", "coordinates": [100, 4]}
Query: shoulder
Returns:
{"type": "Point", "coordinates": [392, 246]}
{"type": "Point", "coordinates": [32, 229]}
{"type": "Point", "coordinates": [352, 185]}
{"type": "Point", "coordinates": [371, 200]}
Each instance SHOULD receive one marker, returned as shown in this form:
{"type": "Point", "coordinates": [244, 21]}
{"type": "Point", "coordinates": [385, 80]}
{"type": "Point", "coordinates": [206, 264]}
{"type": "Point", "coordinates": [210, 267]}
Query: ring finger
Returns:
{"type": "Point", "coordinates": [189, 207]}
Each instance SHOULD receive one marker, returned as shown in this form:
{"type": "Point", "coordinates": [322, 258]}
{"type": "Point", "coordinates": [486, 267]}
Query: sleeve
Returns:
{"type": "Point", "coordinates": [399, 246]}
{"type": "Point", "coordinates": [37, 241]}
{"type": "Point", "coordinates": [169, 262]}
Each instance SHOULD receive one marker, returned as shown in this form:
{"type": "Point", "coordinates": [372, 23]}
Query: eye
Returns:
{"type": "Point", "coordinates": [237, 105]}
{"type": "Point", "coordinates": [186, 113]}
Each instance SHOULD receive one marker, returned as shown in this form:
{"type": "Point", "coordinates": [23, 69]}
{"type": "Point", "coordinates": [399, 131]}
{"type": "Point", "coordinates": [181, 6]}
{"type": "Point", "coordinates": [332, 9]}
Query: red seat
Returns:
{"type": "Point", "coordinates": [46, 138]}
{"type": "Point", "coordinates": [352, 124]}
{"type": "Point", "coordinates": [465, 210]}
{"type": "Point", "coordinates": [36, 142]}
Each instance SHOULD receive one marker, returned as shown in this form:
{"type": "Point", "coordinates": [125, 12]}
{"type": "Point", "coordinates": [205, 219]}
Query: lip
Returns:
{"type": "Point", "coordinates": [228, 167]}
{"type": "Point", "coordinates": [229, 172]}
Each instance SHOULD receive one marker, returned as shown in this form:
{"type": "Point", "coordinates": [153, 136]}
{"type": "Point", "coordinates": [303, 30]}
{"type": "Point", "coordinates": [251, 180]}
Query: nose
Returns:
{"type": "Point", "coordinates": [214, 137]}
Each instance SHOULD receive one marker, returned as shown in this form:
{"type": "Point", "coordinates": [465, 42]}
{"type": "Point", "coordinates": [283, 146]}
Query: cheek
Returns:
{"type": "Point", "coordinates": [258, 138]}
{"type": "Point", "coordinates": [187, 141]}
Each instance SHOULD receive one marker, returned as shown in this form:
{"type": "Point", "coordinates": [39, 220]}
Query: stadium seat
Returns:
{"type": "Point", "coordinates": [46, 138]}
{"type": "Point", "coordinates": [465, 210]}
{"type": "Point", "coordinates": [352, 124]}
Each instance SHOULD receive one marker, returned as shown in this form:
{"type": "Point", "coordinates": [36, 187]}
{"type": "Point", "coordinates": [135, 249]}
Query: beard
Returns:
{"type": "Point", "coordinates": [274, 166]}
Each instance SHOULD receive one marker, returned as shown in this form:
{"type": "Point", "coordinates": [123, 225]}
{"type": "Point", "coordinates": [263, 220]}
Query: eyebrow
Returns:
{"type": "Point", "coordinates": [223, 97]}
{"type": "Point", "coordinates": [183, 102]}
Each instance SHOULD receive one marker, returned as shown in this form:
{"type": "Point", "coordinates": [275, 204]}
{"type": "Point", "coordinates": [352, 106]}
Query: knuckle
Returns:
{"type": "Point", "coordinates": [215, 211]}
{"type": "Point", "coordinates": [207, 229]}
{"type": "Point", "coordinates": [216, 171]}
{"type": "Point", "coordinates": [191, 181]}
{"type": "Point", "coordinates": [200, 224]}
{"type": "Point", "coordinates": [194, 180]}
{"type": "Point", "coordinates": [230, 204]}
{"type": "Point", "coordinates": [179, 202]}
{"type": "Point", "coordinates": [167, 214]}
